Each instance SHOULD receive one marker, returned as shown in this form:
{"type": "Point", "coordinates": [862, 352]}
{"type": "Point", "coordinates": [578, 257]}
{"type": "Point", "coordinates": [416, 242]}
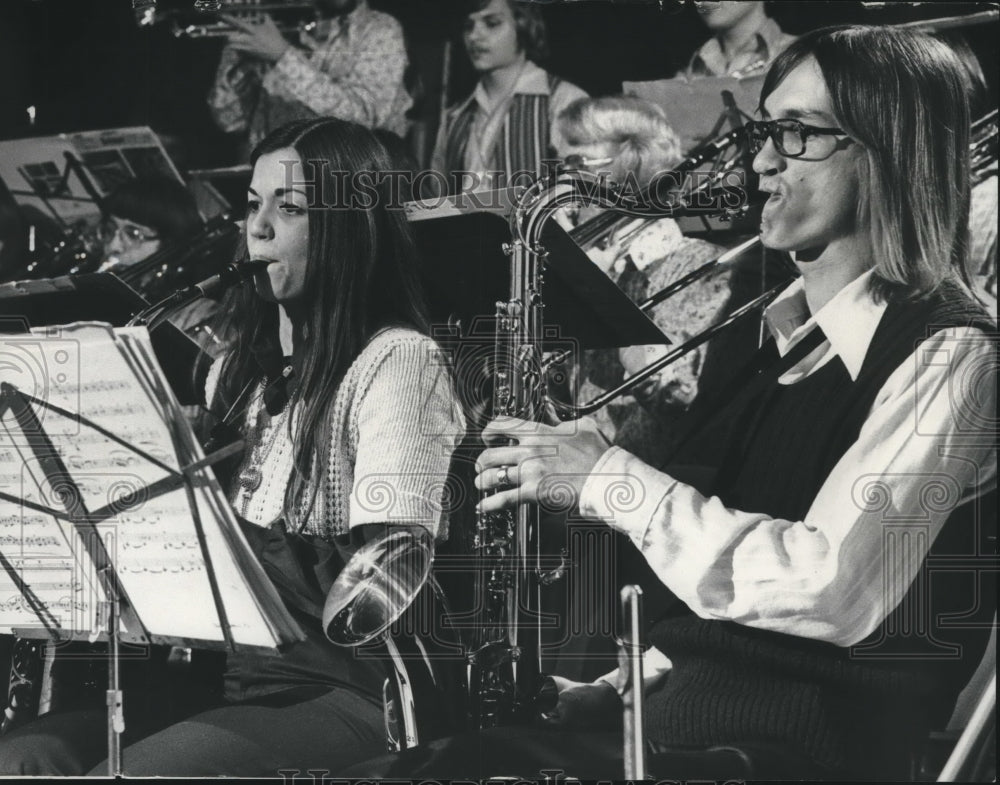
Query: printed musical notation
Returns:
{"type": "Point", "coordinates": [103, 386]}
{"type": "Point", "coordinates": [117, 433]}
{"type": "Point", "coordinates": [10, 542]}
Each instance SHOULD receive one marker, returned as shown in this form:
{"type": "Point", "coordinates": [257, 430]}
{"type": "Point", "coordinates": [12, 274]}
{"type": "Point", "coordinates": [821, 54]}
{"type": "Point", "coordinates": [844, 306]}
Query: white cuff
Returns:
{"type": "Point", "coordinates": [625, 493]}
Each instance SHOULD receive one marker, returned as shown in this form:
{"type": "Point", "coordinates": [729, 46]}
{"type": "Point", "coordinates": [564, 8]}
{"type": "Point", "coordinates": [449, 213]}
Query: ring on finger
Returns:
{"type": "Point", "coordinates": [503, 476]}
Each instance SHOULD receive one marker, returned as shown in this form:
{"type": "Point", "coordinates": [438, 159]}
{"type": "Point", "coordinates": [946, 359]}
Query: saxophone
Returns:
{"type": "Point", "coordinates": [506, 685]}
{"type": "Point", "coordinates": [500, 650]}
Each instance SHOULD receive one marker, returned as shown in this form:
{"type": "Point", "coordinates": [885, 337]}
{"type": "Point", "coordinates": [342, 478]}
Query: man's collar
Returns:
{"type": "Point", "coordinates": [532, 81]}
{"type": "Point", "coordinates": [766, 42]}
{"type": "Point", "coordinates": [848, 320]}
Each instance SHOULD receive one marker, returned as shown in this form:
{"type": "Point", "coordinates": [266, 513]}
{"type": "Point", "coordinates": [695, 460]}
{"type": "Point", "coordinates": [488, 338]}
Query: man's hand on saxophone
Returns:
{"type": "Point", "coordinates": [534, 463]}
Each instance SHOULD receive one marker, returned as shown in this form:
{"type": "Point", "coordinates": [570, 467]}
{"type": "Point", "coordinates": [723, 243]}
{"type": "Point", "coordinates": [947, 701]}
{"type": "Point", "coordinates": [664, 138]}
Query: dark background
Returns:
{"type": "Point", "coordinates": [85, 64]}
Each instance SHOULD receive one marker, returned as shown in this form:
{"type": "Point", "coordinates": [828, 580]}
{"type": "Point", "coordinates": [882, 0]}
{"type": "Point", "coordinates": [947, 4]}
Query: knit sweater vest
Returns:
{"type": "Point", "coordinates": [858, 710]}
{"type": "Point", "coordinates": [522, 143]}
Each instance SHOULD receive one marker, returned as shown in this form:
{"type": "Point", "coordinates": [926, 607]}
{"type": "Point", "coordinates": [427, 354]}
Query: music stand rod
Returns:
{"type": "Point", "coordinates": [80, 517]}
{"type": "Point", "coordinates": [113, 696]}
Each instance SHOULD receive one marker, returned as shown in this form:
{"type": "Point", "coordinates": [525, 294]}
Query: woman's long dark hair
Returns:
{"type": "Point", "coordinates": [361, 276]}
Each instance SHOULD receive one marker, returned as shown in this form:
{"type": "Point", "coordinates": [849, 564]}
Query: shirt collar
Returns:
{"type": "Point", "coordinates": [765, 42]}
{"type": "Point", "coordinates": [532, 81]}
{"type": "Point", "coordinates": [848, 320]}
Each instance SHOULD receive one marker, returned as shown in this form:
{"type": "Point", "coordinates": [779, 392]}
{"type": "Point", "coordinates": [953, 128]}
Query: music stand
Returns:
{"type": "Point", "coordinates": [465, 272]}
{"type": "Point", "coordinates": [85, 522]}
{"type": "Point", "coordinates": [106, 298]}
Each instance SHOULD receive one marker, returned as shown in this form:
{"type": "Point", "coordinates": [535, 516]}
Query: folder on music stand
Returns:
{"type": "Point", "coordinates": [466, 271]}
{"type": "Point", "coordinates": [694, 106]}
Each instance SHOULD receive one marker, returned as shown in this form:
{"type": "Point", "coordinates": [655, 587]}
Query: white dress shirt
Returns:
{"type": "Point", "coordinates": [829, 576]}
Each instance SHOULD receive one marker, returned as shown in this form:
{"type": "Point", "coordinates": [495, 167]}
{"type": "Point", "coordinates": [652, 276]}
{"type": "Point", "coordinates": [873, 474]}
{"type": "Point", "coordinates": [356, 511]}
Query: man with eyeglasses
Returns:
{"type": "Point", "coordinates": [834, 585]}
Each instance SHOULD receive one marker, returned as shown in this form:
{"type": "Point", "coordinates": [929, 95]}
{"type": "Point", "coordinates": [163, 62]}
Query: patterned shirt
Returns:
{"type": "Point", "coordinates": [353, 70]}
{"type": "Point", "coordinates": [750, 59]}
{"type": "Point", "coordinates": [645, 422]}
{"type": "Point", "coordinates": [394, 426]}
{"type": "Point", "coordinates": [983, 243]}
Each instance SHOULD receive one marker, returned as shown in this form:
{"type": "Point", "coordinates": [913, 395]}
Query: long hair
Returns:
{"type": "Point", "coordinates": [532, 35]}
{"type": "Point", "coordinates": [361, 275]}
{"type": "Point", "coordinates": [646, 144]}
{"type": "Point", "coordinates": [901, 94]}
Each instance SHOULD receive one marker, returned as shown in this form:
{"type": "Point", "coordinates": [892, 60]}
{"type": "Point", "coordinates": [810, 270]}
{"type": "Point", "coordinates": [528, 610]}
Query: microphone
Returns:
{"type": "Point", "coordinates": [231, 274]}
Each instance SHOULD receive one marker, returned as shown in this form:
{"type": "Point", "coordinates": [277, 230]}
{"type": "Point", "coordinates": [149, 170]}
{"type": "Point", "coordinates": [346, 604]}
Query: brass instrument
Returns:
{"type": "Point", "coordinates": [291, 18]}
{"type": "Point", "coordinates": [183, 262]}
{"type": "Point", "coordinates": [569, 411]}
{"type": "Point", "coordinates": [505, 679]}
{"type": "Point", "coordinates": [724, 155]}
{"type": "Point", "coordinates": [630, 653]}
{"type": "Point", "coordinates": [424, 696]}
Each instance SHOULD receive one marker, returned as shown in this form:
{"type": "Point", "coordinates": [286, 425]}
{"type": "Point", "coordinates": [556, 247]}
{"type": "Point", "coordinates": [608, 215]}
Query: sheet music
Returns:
{"type": "Point", "coordinates": [151, 539]}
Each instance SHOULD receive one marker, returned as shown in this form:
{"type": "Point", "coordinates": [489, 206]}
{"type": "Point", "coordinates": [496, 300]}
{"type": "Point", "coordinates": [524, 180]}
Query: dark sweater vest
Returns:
{"type": "Point", "coordinates": [858, 710]}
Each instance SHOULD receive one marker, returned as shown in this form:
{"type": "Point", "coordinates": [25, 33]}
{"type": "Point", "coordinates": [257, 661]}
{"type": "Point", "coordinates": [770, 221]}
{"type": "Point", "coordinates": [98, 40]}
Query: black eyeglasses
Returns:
{"type": "Point", "coordinates": [790, 137]}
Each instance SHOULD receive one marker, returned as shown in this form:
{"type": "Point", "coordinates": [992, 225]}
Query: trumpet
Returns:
{"type": "Point", "coordinates": [222, 30]}
{"type": "Point", "coordinates": [291, 19]}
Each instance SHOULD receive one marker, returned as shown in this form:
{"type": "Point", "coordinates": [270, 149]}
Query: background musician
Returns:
{"type": "Point", "coordinates": [982, 261]}
{"type": "Point", "coordinates": [340, 396]}
{"type": "Point", "coordinates": [630, 141]}
{"type": "Point", "coordinates": [745, 40]}
{"type": "Point", "coordinates": [505, 125]}
{"type": "Point", "coordinates": [792, 576]}
{"type": "Point", "coordinates": [148, 213]}
{"type": "Point", "coordinates": [350, 66]}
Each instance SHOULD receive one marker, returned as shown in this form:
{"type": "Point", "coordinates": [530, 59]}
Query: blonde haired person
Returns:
{"type": "Point", "coordinates": [630, 141]}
